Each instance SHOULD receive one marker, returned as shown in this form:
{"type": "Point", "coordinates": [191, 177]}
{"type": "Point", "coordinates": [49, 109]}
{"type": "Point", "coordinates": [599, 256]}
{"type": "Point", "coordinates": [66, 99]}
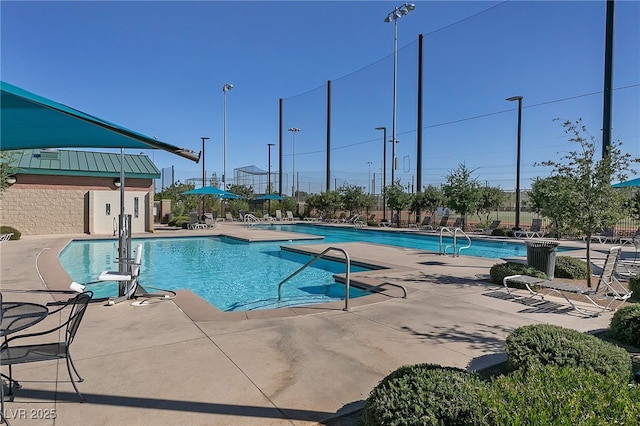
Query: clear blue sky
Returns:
{"type": "Point", "coordinates": [158, 68]}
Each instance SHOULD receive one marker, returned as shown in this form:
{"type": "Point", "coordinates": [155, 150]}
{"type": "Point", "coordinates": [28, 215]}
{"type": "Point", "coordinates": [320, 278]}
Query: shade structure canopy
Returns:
{"type": "Point", "coordinates": [275, 197]}
{"type": "Point", "coordinates": [212, 190]}
{"type": "Point", "coordinates": [32, 121]}
{"type": "Point", "coordinates": [628, 183]}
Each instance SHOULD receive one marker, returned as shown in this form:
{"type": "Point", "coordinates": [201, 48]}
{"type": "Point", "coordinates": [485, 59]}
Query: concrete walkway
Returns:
{"type": "Point", "coordinates": [182, 362]}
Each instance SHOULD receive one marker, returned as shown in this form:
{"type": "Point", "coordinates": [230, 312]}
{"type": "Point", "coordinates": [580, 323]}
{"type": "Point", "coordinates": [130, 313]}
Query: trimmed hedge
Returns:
{"type": "Point", "coordinates": [501, 270]}
{"type": "Point", "coordinates": [545, 344]}
{"type": "Point", "coordinates": [501, 232]}
{"type": "Point", "coordinates": [570, 267]}
{"type": "Point", "coordinates": [425, 394]}
{"type": "Point", "coordinates": [634, 286]}
{"type": "Point", "coordinates": [179, 221]}
{"type": "Point", "coordinates": [563, 377]}
{"type": "Point", "coordinates": [11, 230]}
{"type": "Point", "coordinates": [572, 396]}
{"type": "Point", "coordinates": [625, 325]}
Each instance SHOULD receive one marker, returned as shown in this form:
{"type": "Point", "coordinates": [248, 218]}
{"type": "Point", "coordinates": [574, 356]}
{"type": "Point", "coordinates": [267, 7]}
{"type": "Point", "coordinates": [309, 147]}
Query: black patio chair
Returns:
{"type": "Point", "coordinates": [3, 419]}
{"type": "Point", "coordinates": [10, 354]}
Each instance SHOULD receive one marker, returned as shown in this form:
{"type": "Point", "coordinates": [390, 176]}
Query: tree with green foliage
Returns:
{"type": "Point", "coordinates": [583, 185]}
{"type": "Point", "coordinates": [428, 200]}
{"type": "Point", "coordinates": [289, 204]}
{"type": "Point", "coordinates": [6, 169]}
{"type": "Point", "coordinates": [397, 199]}
{"type": "Point", "coordinates": [181, 204]}
{"type": "Point", "coordinates": [463, 192]}
{"type": "Point", "coordinates": [491, 199]}
{"type": "Point", "coordinates": [326, 203]}
{"type": "Point", "coordinates": [354, 198]}
{"type": "Point", "coordinates": [235, 206]}
{"type": "Point", "coordinates": [241, 190]}
{"type": "Point", "coordinates": [542, 201]}
{"type": "Point", "coordinates": [633, 205]}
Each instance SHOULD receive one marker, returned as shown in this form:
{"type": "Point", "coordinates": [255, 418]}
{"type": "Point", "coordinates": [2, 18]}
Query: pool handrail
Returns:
{"type": "Point", "coordinates": [454, 233]}
{"type": "Point", "coordinates": [312, 261]}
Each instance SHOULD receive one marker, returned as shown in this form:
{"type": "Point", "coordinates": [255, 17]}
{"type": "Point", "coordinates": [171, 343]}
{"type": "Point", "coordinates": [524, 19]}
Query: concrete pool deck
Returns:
{"type": "Point", "coordinates": [183, 362]}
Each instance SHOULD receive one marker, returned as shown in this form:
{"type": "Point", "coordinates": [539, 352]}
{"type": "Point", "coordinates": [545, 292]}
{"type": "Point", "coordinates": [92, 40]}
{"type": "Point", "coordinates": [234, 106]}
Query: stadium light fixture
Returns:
{"type": "Point", "coordinates": [394, 15]}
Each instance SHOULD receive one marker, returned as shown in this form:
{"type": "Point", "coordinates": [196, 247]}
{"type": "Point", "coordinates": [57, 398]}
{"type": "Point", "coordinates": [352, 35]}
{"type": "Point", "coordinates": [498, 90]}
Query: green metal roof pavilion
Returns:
{"type": "Point", "coordinates": [31, 121]}
{"type": "Point", "coordinates": [81, 163]}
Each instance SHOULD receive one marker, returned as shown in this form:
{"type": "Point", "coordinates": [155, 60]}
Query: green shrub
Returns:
{"type": "Point", "coordinates": [560, 396]}
{"type": "Point", "coordinates": [634, 286]}
{"type": "Point", "coordinates": [425, 394]}
{"type": "Point", "coordinates": [501, 270]}
{"type": "Point", "coordinates": [625, 325]}
{"type": "Point", "coordinates": [501, 232]}
{"type": "Point", "coordinates": [570, 267]}
{"type": "Point", "coordinates": [179, 221]}
{"type": "Point", "coordinates": [546, 344]}
{"type": "Point", "coordinates": [10, 230]}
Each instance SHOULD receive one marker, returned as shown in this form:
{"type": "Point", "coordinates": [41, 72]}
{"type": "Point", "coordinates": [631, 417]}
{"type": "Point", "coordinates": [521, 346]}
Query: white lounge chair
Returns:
{"type": "Point", "coordinates": [278, 215]}
{"type": "Point", "coordinates": [489, 229]}
{"type": "Point", "coordinates": [607, 291]}
{"type": "Point", "coordinates": [607, 235]}
{"type": "Point", "coordinates": [290, 216]}
{"type": "Point", "coordinates": [535, 230]}
{"type": "Point", "coordinates": [209, 221]}
{"type": "Point", "coordinates": [427, 223]}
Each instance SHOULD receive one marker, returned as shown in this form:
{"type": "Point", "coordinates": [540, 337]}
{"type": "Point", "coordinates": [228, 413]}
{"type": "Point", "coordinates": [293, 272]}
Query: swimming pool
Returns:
{"type": "Point", "coordinates": [229, 274]}
{"type": "Point", "coordinates": [239, 276]}
{"type": "Point", "coordinates": [494, 249]}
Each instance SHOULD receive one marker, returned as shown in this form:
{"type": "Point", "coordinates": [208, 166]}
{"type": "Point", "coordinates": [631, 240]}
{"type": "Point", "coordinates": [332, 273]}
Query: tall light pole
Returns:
{"type": "Point", "coordinates": [225, 89]}
{"type": "Point", "coordinates": [293, 131]}
{"type": "Point", "coordinates": [519, 99]}
{"type": "Point", "coordinates": [269, 145]}
{"type": "Point", "coordinates": [204, 176]}
{"type": "Point", "coordinates": [394, 15]}
{"type": "Point", "coordinates": [369, 163]}
{"type": "Point", "coordinates": [384, 172]}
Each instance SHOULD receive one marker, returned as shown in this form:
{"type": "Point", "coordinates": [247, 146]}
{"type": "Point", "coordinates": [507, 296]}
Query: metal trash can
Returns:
{"type": "Point", "coordinates": [542, 256]}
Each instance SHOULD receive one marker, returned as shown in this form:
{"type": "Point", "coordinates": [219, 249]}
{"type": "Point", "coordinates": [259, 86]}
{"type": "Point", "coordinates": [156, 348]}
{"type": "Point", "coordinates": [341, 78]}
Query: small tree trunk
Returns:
{"type": "Point", "coordinates": [589, 272]}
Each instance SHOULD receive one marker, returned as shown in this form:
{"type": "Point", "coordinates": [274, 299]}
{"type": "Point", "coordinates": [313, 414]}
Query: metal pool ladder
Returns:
{"type": "Point", "coordinates": [312, 261]}
{"type": "Point", "coordinates": [454, 233]}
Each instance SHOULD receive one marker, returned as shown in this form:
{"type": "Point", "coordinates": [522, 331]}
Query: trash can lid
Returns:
{"type": "Point", "coordinates": [542, 243]}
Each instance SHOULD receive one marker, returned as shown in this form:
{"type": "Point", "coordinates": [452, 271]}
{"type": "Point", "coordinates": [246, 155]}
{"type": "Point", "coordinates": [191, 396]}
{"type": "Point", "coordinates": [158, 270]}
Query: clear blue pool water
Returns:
{"type": "Point", "coordinates": [238, 276]}
{"type": "Point", "coordinates": [231, 275]}
{"type": "Point", "coordinates": [430, 242]}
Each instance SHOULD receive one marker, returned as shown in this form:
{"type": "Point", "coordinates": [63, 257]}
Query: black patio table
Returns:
{"type": "Point", "coordinates": [17, 316]}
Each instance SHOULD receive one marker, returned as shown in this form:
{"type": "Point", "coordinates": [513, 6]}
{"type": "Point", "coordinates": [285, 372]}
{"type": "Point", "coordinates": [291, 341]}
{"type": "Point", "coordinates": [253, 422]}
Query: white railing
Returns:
{"type": "Point", "coordinates": [453, 232]}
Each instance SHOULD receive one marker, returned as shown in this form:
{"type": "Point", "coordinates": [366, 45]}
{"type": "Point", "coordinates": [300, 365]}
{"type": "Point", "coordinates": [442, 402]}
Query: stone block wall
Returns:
{"type": "Point", "coordinates": [42, 211]}
{"type": "Point", "coordinates": [43, 204]}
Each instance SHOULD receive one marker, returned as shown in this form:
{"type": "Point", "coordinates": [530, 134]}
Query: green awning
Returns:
{"type": "Point", "coordinates": [31, 121]}
{"type": "Point", "coordinates": [63, 162]}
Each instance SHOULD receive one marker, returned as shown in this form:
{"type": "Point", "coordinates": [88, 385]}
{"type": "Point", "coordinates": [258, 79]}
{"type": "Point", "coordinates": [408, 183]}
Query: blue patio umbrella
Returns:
{"type": "Point", "coordinates": [270, 197]}
{"type": "Point", "coordinates": [628, 183]}
{"type": "Point", "coordinates": [212, 190]}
